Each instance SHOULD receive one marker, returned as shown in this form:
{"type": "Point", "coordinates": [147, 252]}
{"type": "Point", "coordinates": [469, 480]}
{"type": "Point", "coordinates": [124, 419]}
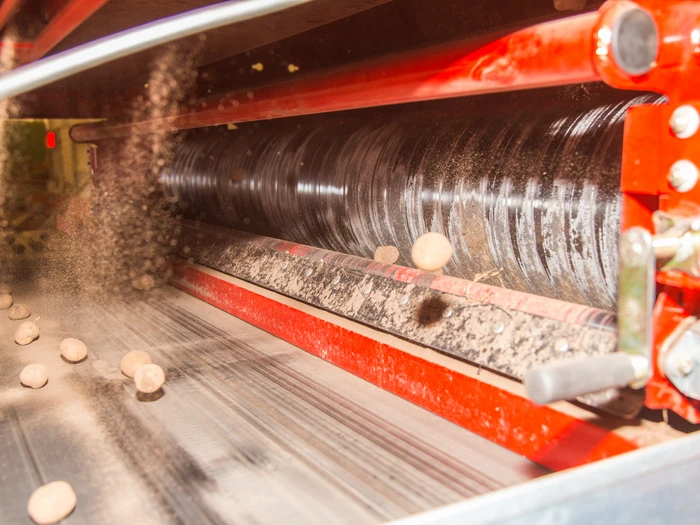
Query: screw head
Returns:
{"type": "Point", "coordinates": [685, 366]}
{"type": "Point", "coordinates": [683, 176]}
{"type": "Point", "coordinates": [685, 121]}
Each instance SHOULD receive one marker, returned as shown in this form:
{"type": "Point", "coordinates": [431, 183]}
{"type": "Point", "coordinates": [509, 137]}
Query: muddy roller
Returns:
{"type": "Point", "coordinates": [532, 192]}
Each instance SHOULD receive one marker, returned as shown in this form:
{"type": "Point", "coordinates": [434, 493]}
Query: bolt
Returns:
{"type": "Point", "coordinates": [684, 122]}
{"type": "Point", "coordinates": [685, 366]}
{"type": "Point", "coordinates": [498, 328]}
{"type": "Point", "coordinates": [683, 176]}
{"type": "Point", "coordinates": [561, 345]}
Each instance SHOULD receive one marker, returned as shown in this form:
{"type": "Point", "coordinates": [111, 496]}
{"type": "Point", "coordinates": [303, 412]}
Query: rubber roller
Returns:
{"type": "Point", "coordinates": [533, 194]}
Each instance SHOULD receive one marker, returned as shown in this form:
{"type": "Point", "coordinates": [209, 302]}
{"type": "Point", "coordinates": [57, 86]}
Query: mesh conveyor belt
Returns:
{"type": "Point", "coordinates": [534, 192]}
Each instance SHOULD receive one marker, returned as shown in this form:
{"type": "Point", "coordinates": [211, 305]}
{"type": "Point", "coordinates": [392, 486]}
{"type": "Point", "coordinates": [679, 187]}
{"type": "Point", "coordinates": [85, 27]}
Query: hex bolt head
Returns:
{"type": "Point", "coordinates": [684, 122]}
{"type": "Point", "coordinates": [683, 176]}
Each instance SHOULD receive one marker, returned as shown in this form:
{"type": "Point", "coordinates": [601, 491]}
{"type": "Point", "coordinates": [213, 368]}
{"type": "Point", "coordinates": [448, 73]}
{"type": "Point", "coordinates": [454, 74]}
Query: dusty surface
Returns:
{"type": "Point", "coordinates": [249, 429]}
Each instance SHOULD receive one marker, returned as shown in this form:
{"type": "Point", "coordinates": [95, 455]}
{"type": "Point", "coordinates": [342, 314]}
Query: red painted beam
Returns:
{"type": "Point", "coordinates": [71, 15]}
{"type": "Point", "coordinates": [550, 437]}
{"type": "Point", "coordinates": [7, 10]}
{"type": "Point", "coordinates": [548, 54]}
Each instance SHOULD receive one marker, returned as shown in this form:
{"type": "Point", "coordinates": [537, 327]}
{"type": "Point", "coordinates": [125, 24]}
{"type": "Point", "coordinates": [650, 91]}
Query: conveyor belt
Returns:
{"type": "Point", "coordinates": [533, 192]}
{"type": "Point", "coordinates": [250, 429]}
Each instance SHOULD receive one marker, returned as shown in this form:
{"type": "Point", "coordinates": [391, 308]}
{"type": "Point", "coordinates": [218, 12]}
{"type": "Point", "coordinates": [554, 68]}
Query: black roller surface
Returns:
{"type": "Point", "coordinates": [533, 192]}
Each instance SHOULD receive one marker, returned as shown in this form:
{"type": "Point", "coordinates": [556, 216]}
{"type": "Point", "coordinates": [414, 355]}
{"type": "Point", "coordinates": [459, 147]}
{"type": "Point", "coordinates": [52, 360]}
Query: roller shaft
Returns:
{"type": "Point", "coordinates": [535, 194]}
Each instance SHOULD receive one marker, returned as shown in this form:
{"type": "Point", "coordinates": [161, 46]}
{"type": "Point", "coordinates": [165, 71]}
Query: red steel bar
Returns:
{"type": "Point", "coordinates": [73, 13]}
{"type": "Point", "coordinates": [7, 10]}
{"type": "Point", "coordinates": [548, 54]}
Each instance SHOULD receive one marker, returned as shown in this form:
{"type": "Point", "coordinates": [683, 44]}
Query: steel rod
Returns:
{"type": "Point", "coordinates": [133, 40]}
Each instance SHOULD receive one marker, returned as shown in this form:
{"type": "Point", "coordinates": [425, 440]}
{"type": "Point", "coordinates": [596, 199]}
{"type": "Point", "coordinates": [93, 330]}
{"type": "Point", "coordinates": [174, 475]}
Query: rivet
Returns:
{"type": "Point", "coordinates": [561, 345]}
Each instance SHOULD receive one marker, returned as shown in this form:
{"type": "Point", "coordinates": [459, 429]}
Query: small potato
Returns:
{"type": "Point", "coordinates": [52, 502]}
{"type": "Point", "coordinates": [19, 311]}
{"type": "Point", "coordinates": [431, 252]}
{"type": "Point", "coordinates": [149, 378]}
{"type": "Point", "coordinates": [133, 360]}
{"type": "Point", "coordinates": [73, 350]}
{"type": "Point", "coordinates": [26, 333]}
{"type": "Point", "coordinates": [34, 375]}
{"type": "Point", "coordinates": [386, 254]}
{"type": "Point", "coordinates": [145, 282]}
{"type": "Point", "coordinates": [5, 301]}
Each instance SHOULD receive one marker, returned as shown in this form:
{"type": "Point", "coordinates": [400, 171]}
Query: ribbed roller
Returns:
{"type": "Point", "coordinates": [534, 193]}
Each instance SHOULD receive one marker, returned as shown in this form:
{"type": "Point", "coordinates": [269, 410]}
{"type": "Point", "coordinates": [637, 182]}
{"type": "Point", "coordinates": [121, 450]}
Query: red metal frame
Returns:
{"type": "Point", "coordinates": [7, 10]}
{"type": "Point", "coordinates": [72, 14]}
{"type": "Point", "coordinates": [548, 54]}
{"type": "Point", "coordinates": [546, 435]}
{"type": "Point", "coordinates": [649, 150]}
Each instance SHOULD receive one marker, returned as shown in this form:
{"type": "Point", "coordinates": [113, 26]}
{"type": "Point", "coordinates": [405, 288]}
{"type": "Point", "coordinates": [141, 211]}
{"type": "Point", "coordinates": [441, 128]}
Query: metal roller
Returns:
{"type": "Point", "coordinates": [534, 193]}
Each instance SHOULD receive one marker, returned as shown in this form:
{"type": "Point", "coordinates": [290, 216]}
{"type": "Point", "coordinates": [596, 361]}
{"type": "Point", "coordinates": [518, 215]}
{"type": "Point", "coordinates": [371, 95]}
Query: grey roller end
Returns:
{"type": "Point", "coordinates": [570, 379]}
